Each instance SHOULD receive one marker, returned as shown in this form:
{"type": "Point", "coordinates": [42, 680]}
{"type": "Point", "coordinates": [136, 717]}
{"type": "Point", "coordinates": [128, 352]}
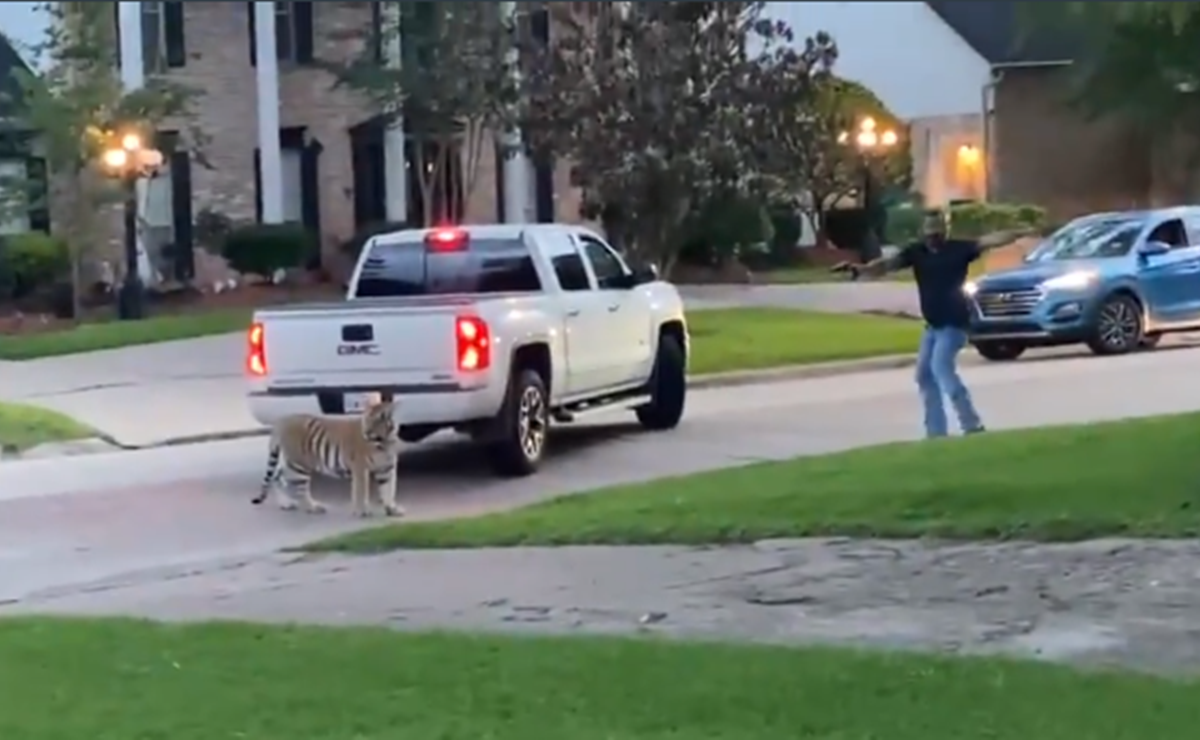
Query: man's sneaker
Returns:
{"type": "Point", "coordinates": [977, 430]}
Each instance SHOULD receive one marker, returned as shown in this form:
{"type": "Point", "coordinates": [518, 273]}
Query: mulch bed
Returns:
{"type": "Point", "coordinates": [14, 320]}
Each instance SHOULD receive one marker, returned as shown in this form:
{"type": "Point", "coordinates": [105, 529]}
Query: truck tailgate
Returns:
{"type": "Point", "coordinates": [351, 344]}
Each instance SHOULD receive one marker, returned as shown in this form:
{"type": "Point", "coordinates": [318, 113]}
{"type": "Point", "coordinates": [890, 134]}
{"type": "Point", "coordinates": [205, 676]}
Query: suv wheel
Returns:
{"type": "Point", "coordinates": [668, 387]}
{"type": "Point", "coordinates": [521, 427]}
{"type": "Point", "coordinates": [1118, 326]}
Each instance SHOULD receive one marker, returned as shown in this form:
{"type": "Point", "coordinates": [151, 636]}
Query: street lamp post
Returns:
{"type": "Point", "coordinates": [129, 161]}
{"type": "Point", "coordinates": [870, 141]}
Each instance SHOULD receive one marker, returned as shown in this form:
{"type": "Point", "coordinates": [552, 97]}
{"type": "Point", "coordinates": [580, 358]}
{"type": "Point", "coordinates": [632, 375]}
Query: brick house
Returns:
{"type": "Point", "coordinates": [1044, 151]}
{"type": "Point", "coordinates": [285, 145]}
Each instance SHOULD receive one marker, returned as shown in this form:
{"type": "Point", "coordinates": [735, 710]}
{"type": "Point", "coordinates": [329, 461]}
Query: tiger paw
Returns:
{"type": "Point", "coordinates": [364, 513]}
{"type": "Point", "coordinates": [315, 508]}
{"type": "Point", "coordinates": [288, 505]}
{"type": "Point", "coordinates": [393, 510]}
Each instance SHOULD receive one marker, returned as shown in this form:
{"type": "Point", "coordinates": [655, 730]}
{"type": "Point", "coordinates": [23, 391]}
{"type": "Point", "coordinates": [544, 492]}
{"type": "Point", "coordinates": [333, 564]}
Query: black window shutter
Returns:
{"type": "Point", "coordinates": [310, 196]}
{"type": "Point", "coordinates": [539, 26]}
{"type": "Point", "coordinates": [302, 20]}
{"type": "Point", "coordinates": [258, 200]}
{"type": "Point", "coordinates": [39, 192]}
{"type": "Point", "coordinates": [117, 30]}
{"type": "Point", "coordinates": [173, 34]}
{"type": "Point", "coordinates": [253, 32]}
{"type": "Point", "coordinates": [500, 193]}
{"type": "Point", "coordinates": [181, 209]}
{"type": "Point", "coordinates": [377, 31]}
{"type": "Point", "coordinates": [543, 189]}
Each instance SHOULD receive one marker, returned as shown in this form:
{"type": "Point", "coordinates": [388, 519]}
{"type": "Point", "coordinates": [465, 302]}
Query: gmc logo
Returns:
{"type": "Point", "coordinates": [350, 350]}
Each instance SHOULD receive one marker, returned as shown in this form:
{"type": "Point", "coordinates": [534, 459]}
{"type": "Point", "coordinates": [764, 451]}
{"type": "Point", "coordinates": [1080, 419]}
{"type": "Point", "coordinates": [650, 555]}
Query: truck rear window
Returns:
{"type": "Point", "coordinates": [484, 266]}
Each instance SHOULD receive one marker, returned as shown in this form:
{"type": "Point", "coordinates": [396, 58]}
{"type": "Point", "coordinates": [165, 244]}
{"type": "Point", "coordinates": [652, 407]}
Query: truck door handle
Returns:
{"type": "Point", "coordinates": [614, 307]}
{"type": "Point", "coordinates": [572, 313]}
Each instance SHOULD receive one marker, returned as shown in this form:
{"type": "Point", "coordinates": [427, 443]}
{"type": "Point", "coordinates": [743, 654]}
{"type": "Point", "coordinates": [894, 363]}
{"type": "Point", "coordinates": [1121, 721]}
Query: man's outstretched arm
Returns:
{"type": "Point", "coordinates": [999, 239]}
{"type": "Point", "coordinates": [876, 268]}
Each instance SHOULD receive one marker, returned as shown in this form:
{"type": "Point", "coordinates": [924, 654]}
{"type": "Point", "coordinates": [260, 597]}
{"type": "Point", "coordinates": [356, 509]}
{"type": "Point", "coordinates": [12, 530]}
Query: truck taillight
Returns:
{"type": "Point", "coordinates": [256, 350]}
{"type": "Point", "coordinates": [473, 343]}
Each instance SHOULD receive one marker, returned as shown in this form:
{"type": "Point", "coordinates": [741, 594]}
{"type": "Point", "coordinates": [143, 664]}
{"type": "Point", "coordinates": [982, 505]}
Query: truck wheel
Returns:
{"type": "Point", "coordinates": [668, 387]}
{"type": "Point", "coordinates": [1000, 351]}
{"type": "Point", "coordinates": [1118, 326]}
{"type": "Point", "coordinates": [521, 427]}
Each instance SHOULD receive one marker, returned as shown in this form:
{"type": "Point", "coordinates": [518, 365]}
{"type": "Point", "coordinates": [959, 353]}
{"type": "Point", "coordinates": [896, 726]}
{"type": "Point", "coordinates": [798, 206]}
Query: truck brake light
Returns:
{"type": "Point", "coordinates": [446, 239]}
{"type": "Point", "coordinates": [473, 344]}
{"type": "Point", "coordinates": [256, 354]}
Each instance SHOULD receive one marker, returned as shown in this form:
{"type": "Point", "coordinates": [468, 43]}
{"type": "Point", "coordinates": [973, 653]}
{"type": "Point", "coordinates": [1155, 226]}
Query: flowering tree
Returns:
{"type": "Point", "coordinates": [644, 99]}
{"type": "Point", "coordinates": [802, 121]}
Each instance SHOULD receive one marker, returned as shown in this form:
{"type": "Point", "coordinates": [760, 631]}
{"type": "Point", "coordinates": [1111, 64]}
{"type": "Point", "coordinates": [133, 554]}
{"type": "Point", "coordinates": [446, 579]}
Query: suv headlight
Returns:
{"type": "Point", "coordinates": [1070, 281]}
{"type": "Point", "coordinates": [970, 288]}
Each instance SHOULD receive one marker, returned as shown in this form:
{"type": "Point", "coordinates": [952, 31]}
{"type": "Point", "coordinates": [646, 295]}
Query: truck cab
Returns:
{"type": "Point", "coordinates": [1113, 281]}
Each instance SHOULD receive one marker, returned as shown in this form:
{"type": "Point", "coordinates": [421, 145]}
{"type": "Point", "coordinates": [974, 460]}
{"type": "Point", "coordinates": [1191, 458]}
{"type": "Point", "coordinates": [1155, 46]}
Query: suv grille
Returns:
{"type": "Point", "coordinates": [997, 304]}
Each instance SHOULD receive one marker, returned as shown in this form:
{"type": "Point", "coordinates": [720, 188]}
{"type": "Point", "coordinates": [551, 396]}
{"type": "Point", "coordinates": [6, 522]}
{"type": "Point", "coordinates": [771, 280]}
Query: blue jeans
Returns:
{"type": "Point", "coordinates": [937, 376]}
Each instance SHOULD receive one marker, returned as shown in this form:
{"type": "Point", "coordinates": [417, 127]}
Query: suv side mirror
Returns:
{"type": "Point", "coordinates": [1151, 249]}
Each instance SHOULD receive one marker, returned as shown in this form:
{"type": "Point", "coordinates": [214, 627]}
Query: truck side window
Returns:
{"type": "Point", "coordinates": [571, 273]}
{"type": "Point", "coordinates": [608, 267]}
{"type": "Point", "coordinates": [1170, 233]}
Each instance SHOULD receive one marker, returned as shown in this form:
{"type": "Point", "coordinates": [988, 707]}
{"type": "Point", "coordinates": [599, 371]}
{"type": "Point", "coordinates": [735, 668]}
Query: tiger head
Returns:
{"type": "Point", "coordinates": [379, 422]}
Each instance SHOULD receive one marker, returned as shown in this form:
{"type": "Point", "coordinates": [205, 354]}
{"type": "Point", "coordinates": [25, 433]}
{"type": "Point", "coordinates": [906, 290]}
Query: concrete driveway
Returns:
{"type": "Point", "coordinates": [65, 522]}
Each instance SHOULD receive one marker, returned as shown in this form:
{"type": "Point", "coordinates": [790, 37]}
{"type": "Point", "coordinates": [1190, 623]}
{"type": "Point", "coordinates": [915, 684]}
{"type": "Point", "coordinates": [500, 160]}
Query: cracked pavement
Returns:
{"type": "Point", "coordinates": [1105, 602]}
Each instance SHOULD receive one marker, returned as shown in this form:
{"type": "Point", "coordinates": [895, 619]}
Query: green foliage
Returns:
{"type": "Point", "coordinates": [262, 249]}
{"type": "Point", "coordinates": [211, 229]}
{"type": "Point", "coordinates": [968, 220]}
{"type": "Point", "coordinates": [32, 261]}
{"type": "Point", "coordinates": [724, 229]}
{"type": "Point", "coordinates": [616, 95]}
{"type": "Point", "coordinates": [352, 247]}
{"type": "Point", "coordinates": [456, 86]}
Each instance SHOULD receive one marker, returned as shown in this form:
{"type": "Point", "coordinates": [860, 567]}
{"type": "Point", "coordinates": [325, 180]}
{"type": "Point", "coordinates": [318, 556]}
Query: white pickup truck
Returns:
{"type": "Point", "coordinates": [494, 331]}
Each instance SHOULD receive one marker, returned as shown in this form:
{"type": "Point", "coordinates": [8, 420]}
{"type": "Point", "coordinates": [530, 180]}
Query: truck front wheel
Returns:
{"type": "Point", "coordinates": [668, 387]}
{"type": "Point", "coordinates": [521, 429]}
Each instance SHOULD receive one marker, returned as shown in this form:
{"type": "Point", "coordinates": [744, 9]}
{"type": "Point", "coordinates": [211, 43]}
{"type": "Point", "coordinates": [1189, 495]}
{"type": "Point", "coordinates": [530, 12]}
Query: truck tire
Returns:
{"type": "Point", "coordinates": [1000, 350]}
{"type": "Point", "coordinates": [668, 387]}
{"type": "Point", "coordinates": [1119, 327]}
{"type": "Point", "coordinates": [521, 428]}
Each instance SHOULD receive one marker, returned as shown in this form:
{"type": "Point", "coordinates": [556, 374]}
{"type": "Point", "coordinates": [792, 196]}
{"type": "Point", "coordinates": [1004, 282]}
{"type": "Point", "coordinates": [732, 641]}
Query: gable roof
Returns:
{"type": "Point", "coordinates": [992, 30]}
{"type": "Point", "coordinates": [10, 86]}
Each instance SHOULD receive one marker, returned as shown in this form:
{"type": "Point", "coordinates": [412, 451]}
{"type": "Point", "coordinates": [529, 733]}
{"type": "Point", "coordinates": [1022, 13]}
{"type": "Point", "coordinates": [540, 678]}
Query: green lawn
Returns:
{"type": "Point", "coordinates": [22, 427]}
{"type": "Point", "coordinates": [753, 338]}
{"type": "Point", "coordinates": [126, 680]}
{"type": "Point", "coordinates": [1137, 478]}
{"type": "Point", "coordinates": [113, 334]}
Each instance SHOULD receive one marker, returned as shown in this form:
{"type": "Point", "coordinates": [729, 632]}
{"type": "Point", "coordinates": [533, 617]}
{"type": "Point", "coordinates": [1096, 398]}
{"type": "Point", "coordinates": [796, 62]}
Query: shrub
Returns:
{"type": "Point", "coordinates": [353, 247]}
{"type": "Point", "coordinates": [263, 249]}
{"type": "Point", "coordinates": [967, 220]}
{"type": "Point", "coordinates": [32, 262]}
{"type": "Point", "coordinates": [724, 229]}
{"type": "Point", "coordinates": [212, 229]}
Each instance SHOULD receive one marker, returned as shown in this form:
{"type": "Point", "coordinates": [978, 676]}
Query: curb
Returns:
{"type": "Point", "coordinates": [697, 382]}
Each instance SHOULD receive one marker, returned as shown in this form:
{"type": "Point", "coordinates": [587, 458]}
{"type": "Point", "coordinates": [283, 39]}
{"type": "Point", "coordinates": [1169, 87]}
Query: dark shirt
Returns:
{"type": "Point", "coordinates": [941, 274]}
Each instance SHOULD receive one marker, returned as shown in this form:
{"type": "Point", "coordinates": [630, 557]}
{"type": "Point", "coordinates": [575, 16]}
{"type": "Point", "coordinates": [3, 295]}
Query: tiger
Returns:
{"type": "Point", "coordinates": [362, 449]}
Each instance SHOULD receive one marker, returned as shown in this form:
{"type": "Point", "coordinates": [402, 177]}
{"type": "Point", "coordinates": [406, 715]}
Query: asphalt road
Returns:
{"type": "Point", "coordinates": [65, 523]}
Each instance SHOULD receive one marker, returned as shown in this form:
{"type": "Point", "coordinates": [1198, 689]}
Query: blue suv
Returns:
{"type": "Point", "coordinates": [1112, 281]}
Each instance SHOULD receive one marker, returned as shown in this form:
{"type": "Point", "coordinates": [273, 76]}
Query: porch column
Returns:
{"type": "Point", "coordinates": [516, 166]}
{"type": "Point", "coordinates": [395, 164]}
{"type": "Point", "coordinates": [133, 77]}
{"type": "Point", "coordinates": [267, 91]}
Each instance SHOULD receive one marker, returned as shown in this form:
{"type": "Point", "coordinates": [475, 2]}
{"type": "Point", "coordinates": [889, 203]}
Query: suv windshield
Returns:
{"type": "Point", "coordinates": [1090, 238]}
{"type": "Point", "coordinates": [482, 266]}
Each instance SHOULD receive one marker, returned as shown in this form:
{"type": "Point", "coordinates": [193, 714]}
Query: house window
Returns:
{"type": "Point", "coordinates": [14, 213]}
{"type": "Point", "coordinates": [285, 32]}
{"type": "Point", "coordinates": [154, 41]}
